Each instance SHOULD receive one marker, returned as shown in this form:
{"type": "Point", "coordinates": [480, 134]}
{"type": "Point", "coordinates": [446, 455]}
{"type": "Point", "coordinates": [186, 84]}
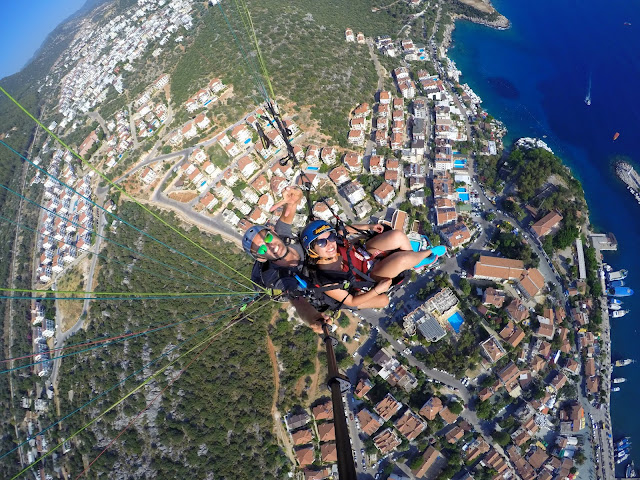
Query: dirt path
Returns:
{"type": "Point", "coordinates": [278, 428]}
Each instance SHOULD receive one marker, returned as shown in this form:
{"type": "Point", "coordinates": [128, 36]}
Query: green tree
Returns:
{"type": "Point", "coordinates": [465, 286]}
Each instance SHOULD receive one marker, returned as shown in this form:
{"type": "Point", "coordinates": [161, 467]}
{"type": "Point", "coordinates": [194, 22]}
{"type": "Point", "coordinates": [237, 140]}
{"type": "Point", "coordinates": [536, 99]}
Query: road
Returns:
{"type": "Point", "coordinates": [212, 224]}
{"type": "Point", "coordinates": [62, 337]}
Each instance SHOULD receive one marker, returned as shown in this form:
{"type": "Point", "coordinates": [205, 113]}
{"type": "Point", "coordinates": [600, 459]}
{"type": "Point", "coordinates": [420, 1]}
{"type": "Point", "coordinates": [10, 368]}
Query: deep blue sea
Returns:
{"type": "Point", "coordinates": [535, 77]}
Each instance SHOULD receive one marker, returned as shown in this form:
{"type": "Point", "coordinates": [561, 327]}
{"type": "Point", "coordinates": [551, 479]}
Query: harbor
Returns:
{"type": "Point", "coordinates": [630, 177]}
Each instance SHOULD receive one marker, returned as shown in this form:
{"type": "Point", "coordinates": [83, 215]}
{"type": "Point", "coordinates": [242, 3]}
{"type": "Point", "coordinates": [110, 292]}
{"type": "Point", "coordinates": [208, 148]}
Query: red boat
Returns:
{"type": "Point", "coordinates": [615, 136]}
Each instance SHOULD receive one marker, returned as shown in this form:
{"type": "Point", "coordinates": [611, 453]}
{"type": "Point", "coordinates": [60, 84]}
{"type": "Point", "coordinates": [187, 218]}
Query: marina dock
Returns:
{"type": "Point", "coordinates": [630, 177]}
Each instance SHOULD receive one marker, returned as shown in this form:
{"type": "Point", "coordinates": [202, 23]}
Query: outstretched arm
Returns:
{"type": "Point", "coordinates": [291, 197]}
{"type": "Point", "coordinates": [310, 315]}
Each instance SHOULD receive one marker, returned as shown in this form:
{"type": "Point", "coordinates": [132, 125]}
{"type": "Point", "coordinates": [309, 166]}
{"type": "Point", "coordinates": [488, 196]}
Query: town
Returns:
{"type": "Point", "coordinates": [530, 401]}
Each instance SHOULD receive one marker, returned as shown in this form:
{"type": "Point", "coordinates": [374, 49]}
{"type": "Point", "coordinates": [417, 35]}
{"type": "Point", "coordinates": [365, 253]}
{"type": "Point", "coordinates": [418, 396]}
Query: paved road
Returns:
{"type": "Point", "coordinates": [206, 222]}
{"type": "Point", "coordinates": [62, 337]}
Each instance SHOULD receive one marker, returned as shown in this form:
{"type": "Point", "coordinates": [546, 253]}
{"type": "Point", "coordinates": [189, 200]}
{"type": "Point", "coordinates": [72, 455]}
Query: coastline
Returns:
{"type": "Point", "coordinates": [501, 23]}
{"type": "Point", "coordinates": [601, 437]}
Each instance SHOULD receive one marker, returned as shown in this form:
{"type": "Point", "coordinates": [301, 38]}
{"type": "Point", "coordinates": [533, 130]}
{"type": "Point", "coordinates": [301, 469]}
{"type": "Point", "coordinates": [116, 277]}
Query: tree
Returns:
{"type": "Point", "coordinates": [501, 438]}
{"type": "Point", "coordinates": [465, 286]}
{"type": "Point", "coordinates": [455, 407]}
{"type": "Point", "coordinates": [483, 410]}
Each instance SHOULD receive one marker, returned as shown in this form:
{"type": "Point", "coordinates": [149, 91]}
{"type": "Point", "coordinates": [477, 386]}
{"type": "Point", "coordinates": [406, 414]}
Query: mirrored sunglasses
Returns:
{"type": "Point", "coordinates": [268, 238]}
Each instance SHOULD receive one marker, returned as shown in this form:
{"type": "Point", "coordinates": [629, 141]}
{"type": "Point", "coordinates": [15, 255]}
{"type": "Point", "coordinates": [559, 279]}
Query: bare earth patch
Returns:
{"type": "Point", "coordinates": [73, 280]}
{"type": "Point", "coordinates": [482, 5]}
{"type": "Point", "coordinates": [183, 197]}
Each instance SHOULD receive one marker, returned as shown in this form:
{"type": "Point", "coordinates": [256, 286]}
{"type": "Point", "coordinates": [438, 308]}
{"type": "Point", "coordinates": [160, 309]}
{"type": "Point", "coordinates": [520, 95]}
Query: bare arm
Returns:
{"type": "Point", "coordinates": [358, 228]}
{"type": "Point", "coordinates": [309, 315]}
{"type": "Point", "coordinates": [374, 298]}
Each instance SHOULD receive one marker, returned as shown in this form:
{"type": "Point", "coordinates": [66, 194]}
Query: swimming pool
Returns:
{"type": "Point", "coordinates": [464, 197]}
{"type": "Point", "coordinates": [461, 189]}
{"type": "Point", "coordinates": [456, 321]}
{"type": "Point", "coordinates": [459, 163]}
{"type": "Point", "coordinates": [313, 169]}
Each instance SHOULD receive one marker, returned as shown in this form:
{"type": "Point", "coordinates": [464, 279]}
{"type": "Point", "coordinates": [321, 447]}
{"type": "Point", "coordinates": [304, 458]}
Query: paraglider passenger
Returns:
{"type": "Point", "coordinates": [383, 257]}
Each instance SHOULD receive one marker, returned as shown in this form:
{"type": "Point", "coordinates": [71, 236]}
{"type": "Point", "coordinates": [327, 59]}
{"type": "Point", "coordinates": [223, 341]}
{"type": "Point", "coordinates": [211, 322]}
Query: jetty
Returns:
{"type": "Point", "coordinates": [630, 177]}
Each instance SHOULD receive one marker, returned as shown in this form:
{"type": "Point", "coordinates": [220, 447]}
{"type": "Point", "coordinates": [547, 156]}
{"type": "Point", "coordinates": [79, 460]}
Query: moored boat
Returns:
{"type": "Point", "coordinates": [617, 275]}
{"type": "Point", "coordinates": [615, 389]}
{"type": "Point", "coordinates": [615, 301]}
{"type": "Point", "coordinates": [625, 440]}
{"type": "Point", "coordinates": [619, 292]}
{"type": "Point", "coordinates": [623, 452]}
{"type": "Point", "coordinates": [631, 470]}
{"type": "Point", "coordinates": [619, 380]}
{"type": "Point", "coordinates": [619, 313]}
{"type": "Point", "coordinates": [622, 459]}
{"type": "Point", "coordinates": [617, 283]}
{"type": "Point", "coordinates": [623, 363]}
{"type": "Point", "coordinates": [615, 306]}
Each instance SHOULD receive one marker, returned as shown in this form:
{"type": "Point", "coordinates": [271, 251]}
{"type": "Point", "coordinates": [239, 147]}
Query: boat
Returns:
{"type": "Point", "coordinates": [619, 292]}
{"type": "Point", "coordinates": [622, 459]}
{"type": "Point", "coordinates": [623, 451]}
{"type": "Point", "coordinates": [618, 313]}
{"type": "Point", "coordinates": [625, 440]}
{"type": "Point", "coordinates": [615, 389]}
{"type": "Point", "coordinates": [615, 301]}
{"type": "Point", "coordinates": [618, 275]}
{"type": "Point", "coordinates": [631, 470]}
{"type": "Point", "coordinates": [587, 99]}
{"type": "Point", "coordinates": [614, 306]}
{"type": "Point", "coordinates": [617, 283]}
{"type": "Point", "coordinates": [619, 380]}
{"type": "Point", "coordinates": [623, 363]}
{"type": "Point", "coordinates": [615, 136]}
{"type": "Point", "coordinates": [627, 24]}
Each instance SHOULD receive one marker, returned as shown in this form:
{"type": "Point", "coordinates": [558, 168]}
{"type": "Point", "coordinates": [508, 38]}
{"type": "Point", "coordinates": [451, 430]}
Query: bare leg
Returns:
{"type": "Point", "coordinates": [391, 240]}
{"type": "Point", "coordinates": [397, 263]}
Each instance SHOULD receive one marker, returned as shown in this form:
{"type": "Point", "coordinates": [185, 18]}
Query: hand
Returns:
{"type": "Point", "coordinates": [316, 325]}
{"type": "Point", "coordinates": [382, 286]}
{"type": "Point", "coordinates": [290, 196]}
{"type": "Point", "coordinates": [376, 227]}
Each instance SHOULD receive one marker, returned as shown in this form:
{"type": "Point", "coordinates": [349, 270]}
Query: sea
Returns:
{"type": "Point", "coordinates": [535, 77]}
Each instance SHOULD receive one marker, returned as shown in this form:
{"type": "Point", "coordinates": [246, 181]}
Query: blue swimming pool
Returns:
{"type": "Point", "coordinates": [456, 321]}
{"type": "Point", "coordinates": [313, 169]}
{"type": "Point", "coordinates": [461, 190]}
{"type": "Point", "coordinates": [464, 197]}
{"type": "Point", "coordinates": [459, 163]}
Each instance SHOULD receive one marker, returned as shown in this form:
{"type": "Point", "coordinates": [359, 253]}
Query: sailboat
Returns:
{"type": "Point", "coordinates": [587, 99]}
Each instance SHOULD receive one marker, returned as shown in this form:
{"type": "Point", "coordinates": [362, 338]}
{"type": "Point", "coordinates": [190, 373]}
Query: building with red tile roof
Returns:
{"type": "Point", "coordinates": [546, 224]}
{"type": "Point", "coordinates": [387, 441]}
{"type": "Point", "coordinates": [328, 452]}
{"type": "Point", "coordinates": [447, 415]}
{"type": "Point", "coordinates": [431, 408]}
{"type": "Point", "coordinates": [497, 268]}
{"type": "Point", "coordinates": [323, 411]}
{"type": "Point", "coordinates": [517, 310]}
{"type": "Point", "coordinates": [387, 407]}
{"type": "Point", "coordinates": [410, 425]}
{"type": "Point", "coordinates": [492, 349]}
{"type": "Point", "coordinates": [301, 437]}
{"type": "Point", "coordinates": [494, 297]}
{"type": "Point", "coordinates": [430, 457]}
{"type": "Point", "coordinates": [363, 387]}
{"type": "Point", "coordinates": [369, 422]}
{"type": "Point", "coordinates": [305, 455]}
{"type": "Point", "coordinates": [326, 432]}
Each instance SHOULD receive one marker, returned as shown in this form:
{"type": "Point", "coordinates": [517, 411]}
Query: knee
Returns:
{"type": "Point", "coordinates": [395, 237]}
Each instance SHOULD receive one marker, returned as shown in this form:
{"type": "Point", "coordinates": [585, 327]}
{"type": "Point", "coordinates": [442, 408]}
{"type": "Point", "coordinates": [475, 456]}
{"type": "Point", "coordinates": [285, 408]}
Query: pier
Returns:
{"type": "Point", "coordinates": [630, 177]}
{"type": "Point", "coordinates": [604, 436]}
